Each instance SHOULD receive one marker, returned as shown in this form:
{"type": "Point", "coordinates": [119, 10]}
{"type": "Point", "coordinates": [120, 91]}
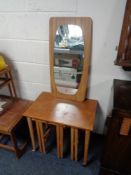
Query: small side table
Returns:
{"type": "Point", "coordinates": [60, 112]}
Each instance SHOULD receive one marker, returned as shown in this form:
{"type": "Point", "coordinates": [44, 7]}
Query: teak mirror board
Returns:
{"type": "Point", "coordinates": [72, 48]}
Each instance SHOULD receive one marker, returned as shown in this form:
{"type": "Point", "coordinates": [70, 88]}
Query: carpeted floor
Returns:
{"type": "Point", "coordinates": [35, 163]}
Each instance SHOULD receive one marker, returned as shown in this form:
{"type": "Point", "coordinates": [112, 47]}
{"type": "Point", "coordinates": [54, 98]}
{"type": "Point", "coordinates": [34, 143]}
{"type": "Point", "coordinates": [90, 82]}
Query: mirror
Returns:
{"type": "Point", "coordinates": [70, 48]}
{"type": "Point", "coordinates": [68, 58]}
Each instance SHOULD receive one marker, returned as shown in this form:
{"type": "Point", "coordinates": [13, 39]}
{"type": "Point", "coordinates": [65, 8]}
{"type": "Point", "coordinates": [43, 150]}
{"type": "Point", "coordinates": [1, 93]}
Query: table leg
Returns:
{"type": "Point", "coordinates": [58, 141]}
{"type": "Point", "coordinates": [39, 136]}
{"type": "Point", "coordinates": [72, 143]}
{"type": "Point", "coordinates": [42, 137]}
{"type": "Point", "coordinates": [76, 143]}
{"type": "Point", "coordinates": [61, 140]}
{"type": "Point", "coordinates": [86, 146]}
{"type": "Point", "coordinates": [59, 135]}
{"type": "Point", "coordinates": [31, 133]}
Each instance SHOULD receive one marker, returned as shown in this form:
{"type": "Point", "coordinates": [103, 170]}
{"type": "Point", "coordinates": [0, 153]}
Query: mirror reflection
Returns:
{"type": "Point", "coordinates": [68, 58]}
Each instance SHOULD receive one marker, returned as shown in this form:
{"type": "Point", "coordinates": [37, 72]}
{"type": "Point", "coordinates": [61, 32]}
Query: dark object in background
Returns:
{"type": "Point", "coordinates": [124, 50]}
{"type": "Point", "coordinates": [117, 151]}
{"type": "Point", "coordinates": [122, 95]}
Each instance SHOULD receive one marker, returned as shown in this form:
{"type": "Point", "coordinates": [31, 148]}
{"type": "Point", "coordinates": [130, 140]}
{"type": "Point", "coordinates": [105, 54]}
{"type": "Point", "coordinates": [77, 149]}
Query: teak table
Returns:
{"type": "Point", "coordinates": [60, 112]}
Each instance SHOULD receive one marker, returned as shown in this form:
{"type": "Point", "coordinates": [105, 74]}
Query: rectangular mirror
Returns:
{"type": "Point", "coordinates": [70, 47]}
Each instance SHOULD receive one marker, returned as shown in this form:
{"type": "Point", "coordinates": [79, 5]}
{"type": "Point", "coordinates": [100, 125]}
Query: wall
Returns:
{"type": "Point", "coordinates": [24, 31]}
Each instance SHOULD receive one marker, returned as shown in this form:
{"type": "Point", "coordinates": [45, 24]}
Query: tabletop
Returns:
{"type": "Point", "coordinates": [72, 113]}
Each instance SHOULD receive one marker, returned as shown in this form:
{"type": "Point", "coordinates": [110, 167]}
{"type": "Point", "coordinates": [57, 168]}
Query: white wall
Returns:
{"type": "Point", "coordinates": [24, 30]}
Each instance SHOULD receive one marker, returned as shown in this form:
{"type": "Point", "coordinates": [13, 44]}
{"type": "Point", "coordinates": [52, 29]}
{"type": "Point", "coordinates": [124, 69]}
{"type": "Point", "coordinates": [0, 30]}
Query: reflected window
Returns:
{"type": "Point", "coordinates": [69, 36]}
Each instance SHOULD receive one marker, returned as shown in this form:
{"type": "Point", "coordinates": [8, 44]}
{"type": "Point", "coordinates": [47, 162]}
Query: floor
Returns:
{"type": "Point", "coordinates": [36, 163]}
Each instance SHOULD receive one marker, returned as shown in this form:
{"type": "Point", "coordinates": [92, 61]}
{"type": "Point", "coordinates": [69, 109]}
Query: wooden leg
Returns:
{"type": "Point", "coordinates": [58, 141]}
{"type": "Point", "coordinates": [76, 143]}
{"type": "Point", "coordinates": [11, 85]}
{"type": "Point", "coordinates": [12, 82]}
{"type": "Point", "coordinates": [72, 143]}
{"type": "Point", "coordinates": [42, 135]}
{"type": "Point", "coordinates": [31, 133]}
{"type": "Point", "coordinates": [61, 141]}
{"type": "Point", "coordinates": [13, 139]}
{"type": "Point", "coordinates": [39, 136]}
{"type": "Point", "coordinates": [59, 135]}
{"type": "Point", "coordinates": [86, 146]}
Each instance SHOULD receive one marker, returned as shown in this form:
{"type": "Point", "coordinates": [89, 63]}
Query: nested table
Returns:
{"type": "Point", "coordinates": [60, 112]}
